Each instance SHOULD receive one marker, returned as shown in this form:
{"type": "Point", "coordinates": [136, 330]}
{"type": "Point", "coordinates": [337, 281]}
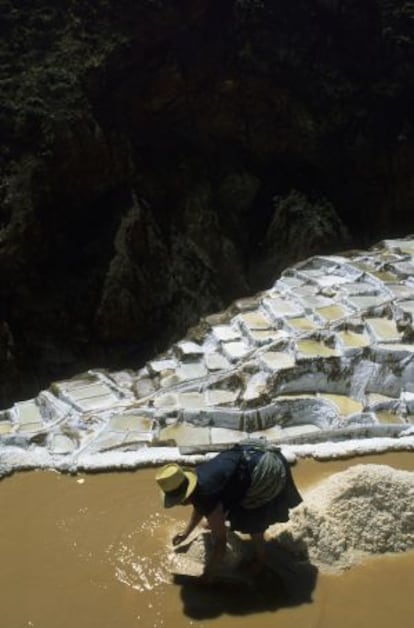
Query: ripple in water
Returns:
{"type": "Point", "coordinates": [142, 557]}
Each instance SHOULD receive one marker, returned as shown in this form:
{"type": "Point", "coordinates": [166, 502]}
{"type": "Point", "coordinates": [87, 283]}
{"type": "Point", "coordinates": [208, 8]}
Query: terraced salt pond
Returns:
{"type": "Point", "coordinates": [93, 550]}
{"type": "Point", "coordinates": [325, 355]}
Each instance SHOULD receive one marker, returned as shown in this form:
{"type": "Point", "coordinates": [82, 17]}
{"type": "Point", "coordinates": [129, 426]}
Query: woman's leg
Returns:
{"type": "Point", "coordinates": [259, 547]}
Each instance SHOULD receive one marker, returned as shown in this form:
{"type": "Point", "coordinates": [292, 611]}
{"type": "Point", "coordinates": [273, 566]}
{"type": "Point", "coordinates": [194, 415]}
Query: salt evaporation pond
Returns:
{"type": "Point", "coordinates": [326, 354]}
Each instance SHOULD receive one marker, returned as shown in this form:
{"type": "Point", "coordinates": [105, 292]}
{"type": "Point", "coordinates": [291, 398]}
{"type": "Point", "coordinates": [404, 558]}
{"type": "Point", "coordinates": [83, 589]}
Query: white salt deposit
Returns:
{"type": "Point", "coordinates": [365, 510]}
{"type": "Point", "coordinates": [16, 458]}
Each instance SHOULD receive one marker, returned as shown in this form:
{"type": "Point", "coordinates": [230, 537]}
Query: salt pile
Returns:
{"type": "Point", "coordinates": [365, 510]}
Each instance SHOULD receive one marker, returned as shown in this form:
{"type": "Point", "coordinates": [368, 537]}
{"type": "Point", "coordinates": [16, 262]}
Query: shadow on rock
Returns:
{"type": "Point", "coordinates": [287, 580]}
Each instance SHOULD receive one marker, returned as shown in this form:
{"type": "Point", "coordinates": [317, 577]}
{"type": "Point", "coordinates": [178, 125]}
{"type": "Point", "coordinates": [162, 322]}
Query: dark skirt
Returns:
{"type": "Point", "coordinates": [257, 520]}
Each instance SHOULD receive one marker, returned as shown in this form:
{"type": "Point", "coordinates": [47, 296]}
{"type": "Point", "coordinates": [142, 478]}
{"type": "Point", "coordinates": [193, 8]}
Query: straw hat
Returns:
{"type": "Point", "coordinates": [176, 484]}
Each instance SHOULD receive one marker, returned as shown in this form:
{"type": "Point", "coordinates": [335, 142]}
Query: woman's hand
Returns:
{"type": "Point", "coordinates": [194, 521]}
{"type": "Point", "coordinates": [179, 538]}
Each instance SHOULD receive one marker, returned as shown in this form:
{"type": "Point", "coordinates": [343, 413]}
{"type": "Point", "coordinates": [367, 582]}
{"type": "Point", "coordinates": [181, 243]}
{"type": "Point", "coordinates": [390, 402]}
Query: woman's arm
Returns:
{"type": "Point", "coordinates": [193, 523]}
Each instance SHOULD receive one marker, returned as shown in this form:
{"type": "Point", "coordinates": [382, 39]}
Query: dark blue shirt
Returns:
{"type": "Point", "coordinates": [222, 480]}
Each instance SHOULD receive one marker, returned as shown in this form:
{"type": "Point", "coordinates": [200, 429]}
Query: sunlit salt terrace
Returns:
{"type": "Point", "coordinates": [321, 364]}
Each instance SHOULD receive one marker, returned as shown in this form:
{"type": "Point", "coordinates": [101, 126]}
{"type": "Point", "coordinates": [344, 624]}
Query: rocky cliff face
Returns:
{"type": "Point", "coordinates": [161, 158]}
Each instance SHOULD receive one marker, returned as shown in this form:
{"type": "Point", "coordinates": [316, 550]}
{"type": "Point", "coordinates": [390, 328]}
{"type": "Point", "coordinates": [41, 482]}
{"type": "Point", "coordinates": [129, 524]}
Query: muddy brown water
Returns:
{"type": "Point", "coordinates": [92, 551]}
